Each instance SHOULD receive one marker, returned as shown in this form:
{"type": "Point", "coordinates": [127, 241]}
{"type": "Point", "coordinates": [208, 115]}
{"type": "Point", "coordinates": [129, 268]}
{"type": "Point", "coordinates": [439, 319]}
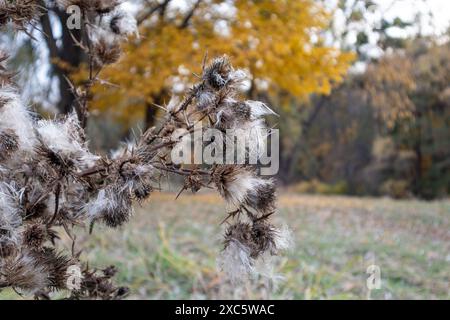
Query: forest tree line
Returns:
{"type": "Point", "coordinates": [382, 130]}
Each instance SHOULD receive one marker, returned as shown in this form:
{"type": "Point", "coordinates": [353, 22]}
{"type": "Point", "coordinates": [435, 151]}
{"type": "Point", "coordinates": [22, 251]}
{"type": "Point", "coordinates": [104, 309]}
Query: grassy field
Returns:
{"type": "Point", "coordinates": [169, 249]}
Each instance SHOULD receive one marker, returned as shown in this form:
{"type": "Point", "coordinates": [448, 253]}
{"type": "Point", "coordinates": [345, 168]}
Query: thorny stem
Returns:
{"type": "Point", "coordinates": [185, 104]}
{"type": "Point", "coordinates": [190, 128]}
{"type": "Point", "coordinates": [83, 101]}
{"type": "Point", "coordinates": [92, 171]}
{"type": "Point", "coordinates": [185, 172]}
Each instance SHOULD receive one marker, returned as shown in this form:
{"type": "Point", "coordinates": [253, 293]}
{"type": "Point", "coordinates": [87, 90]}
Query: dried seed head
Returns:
{"type": "Point", "coordinates": [8, 144]}
{"type": "Point", "coordinates": [244, 243]}
{"type": "Point", "coordinates": [55, 264]}
{"type": "Point", "coordinates": [106, 46]}
{"type": "Point", "coordinates": [217, 73]}
{"type": "Point", "coordinates": [121, 214]}
{"type": "Point", "coordinates": [36, 234]}
{"type": "Point", "coordinates": [110, 271]}
{"type": "Point", "coordinates": [107, 52]}
{"type": "Point", "coordinates": [112, 205]}
{"type": "Point", "coordinates": [236, 114]}
{"type": "Point", "coordinates": [37, 210]}
{"type": "Point", "coordinates": [20, 13]}
{"type": "Point", "coordinates": [14, 115]}
{"type": "Point", "coordinates": [104, 6]}
{"type": "Point", "coordinates": [65, 139]}
{"type": "Point", "coordinates": [240, 186]}
{"type": "Point", "coordinates": [193, 182]}
{"type": "Point", "coordinates": [123, 23]}
{"type": "Point", "coordinates": [142, 191]}
{"type": "Point", "coordinates": [99, 285]}
{"type": "Point", "coordinates": [262, 196]}
{"type": "Point", "coordinates": [26, 272]}
{"type": "Point", "coordinates": [232, 182]}
{"type": "Point", "coordinates": [205, 99]}
{"type": "Point", "coordinates": [56, 160]}
{"type": "Point", "coordinates": [240, 232]}
{"type": "Point", "coordinates": [263, 237]}
{"type": "Point", "coordinates": [258, 237]}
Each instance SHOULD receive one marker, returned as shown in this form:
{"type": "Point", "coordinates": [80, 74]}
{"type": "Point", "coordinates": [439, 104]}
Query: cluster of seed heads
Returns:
{"type": "Point", "coordinates": [50, 182]}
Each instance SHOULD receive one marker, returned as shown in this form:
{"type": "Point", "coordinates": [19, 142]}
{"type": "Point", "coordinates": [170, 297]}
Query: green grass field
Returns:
{"type": "Point", "coordinates": [169, 249]}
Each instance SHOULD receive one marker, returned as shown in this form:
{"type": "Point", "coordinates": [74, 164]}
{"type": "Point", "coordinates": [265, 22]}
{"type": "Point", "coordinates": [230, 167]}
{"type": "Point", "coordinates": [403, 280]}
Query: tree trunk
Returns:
{"type": "Point", "coordinates": [65, 59]}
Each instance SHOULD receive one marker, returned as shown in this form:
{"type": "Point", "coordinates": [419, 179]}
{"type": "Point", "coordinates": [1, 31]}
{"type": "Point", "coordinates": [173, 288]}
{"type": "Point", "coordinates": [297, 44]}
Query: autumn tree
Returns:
{"type": "Point", "coordinates": [358, 26]}
{"type": "Point", "coordinates": [386, 131]}
{"type": "Point", "coordinates": [409, 92]}
{"type": "Point", "coordinates": [278, 43]}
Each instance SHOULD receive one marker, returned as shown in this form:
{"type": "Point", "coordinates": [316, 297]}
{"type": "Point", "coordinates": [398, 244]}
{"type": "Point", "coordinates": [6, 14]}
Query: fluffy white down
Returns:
{"type": "Point", "coordinates": [10, 218]}
{"type": "Point", "coordinates": [127, 24]}
{"type": "Point", "coordinates": [238, 266]}
{"type": "Point", "coordinates": [99, 35]}
{"type": "Point", "coordinates": [108, 199]}
{"type": "Point", "coordinates": [284, 239]}
{"type": "Point", "coordinates": [238, 75]}
{"type": "Point", "coordinates": [239, 186]}
{"type": "Point", "coordinates": [15, 115]}
{"type": "Point", "coordinates": [254, 134]}
{"type": "Point", "coordinates": [36, 275]}
{"type": "Point", "coordinates": [205, 100]}
{"type": "Point", "coordinates": [259, 109]}
{"type": "Point", "coordinates": [140, 174]}
{"type": "Point", "coordinates": [235, 262]}
{"type": "Point", "coordinates": [104, 201]}
{"type": "Point", "coordinates": [62, 137]}
{"type": "Point", "coordinates": [124, 21]}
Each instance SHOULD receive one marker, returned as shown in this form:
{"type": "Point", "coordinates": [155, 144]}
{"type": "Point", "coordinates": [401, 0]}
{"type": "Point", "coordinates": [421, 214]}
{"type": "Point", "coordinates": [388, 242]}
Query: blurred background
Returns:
{"type": "Point", "coordinates": [362, 88]}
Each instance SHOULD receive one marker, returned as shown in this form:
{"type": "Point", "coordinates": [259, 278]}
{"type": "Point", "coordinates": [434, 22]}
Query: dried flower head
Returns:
{"type": "Point", "coordinates": [123, 23]}
{"type": "Point", "coordinates": [37, 233]}
{"type": "Point", "coordinates": [112, 205]}
{"type": "Point", "coordinates": [106, 48]}
{"type": "Point", "coordinates": [217, 73]}
{"type": "Point", "coordinates": [20, 12]}
{"type": "Point", "coordinates": [25, 272]}
{"type": "Point", "coordinates": [245, 243]}
{"type": "Point", "coordinates": [240, 186]}
{"type": "Point", "coordinates": [235, 260]}
{"type": "Point", "coordinates": [8, 144]}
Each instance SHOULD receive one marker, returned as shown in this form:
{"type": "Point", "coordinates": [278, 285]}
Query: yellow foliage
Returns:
{"type": "Point", "coordinates": [272, 40]}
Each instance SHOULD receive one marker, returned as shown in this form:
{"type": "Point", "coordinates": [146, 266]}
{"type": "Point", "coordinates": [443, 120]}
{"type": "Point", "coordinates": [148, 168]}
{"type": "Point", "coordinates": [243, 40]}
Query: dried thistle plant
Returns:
{"type": "Point", "coordinates": [21, 13]}
{"type": "Point", "coordinates": [50, 181]}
